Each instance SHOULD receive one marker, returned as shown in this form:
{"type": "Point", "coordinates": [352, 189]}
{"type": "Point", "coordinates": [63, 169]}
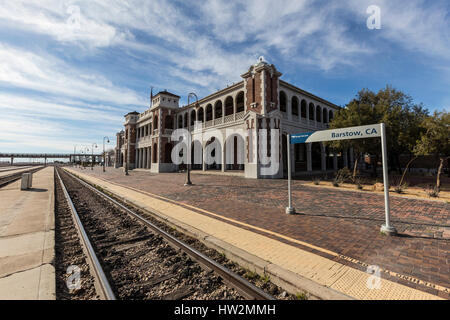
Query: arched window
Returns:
{"type": "Point", "coordinates": [311, 111]}
{"type": "Point", "coordinates": [303, 108]}
{"type": "Point", "coordinates": [155, 123]}
{"type": "Point", "coordinates": [209, 113]}
{"type": "Point", "coordinates": [294, 103]}
{"type": "Point", "coordinates": [201, 115]}
{"type": "Point", "coordinates": [318, 114]}
{"type": "Point", "coordinates": [283, 101]}
{"type": "Point", "coordinates": [180, 121]}
{"type": "Point", "coordinates": [330, 116]}
{"type": "Point", "coordinates": [193, 113]}
{"type": "Point", "coordinates": [185, 118]}
{"type": "Point", "coordinates": [240, 102]}
{"type": "Point", "coordinates": [218, 109]}
{"type": "Point", "coordinates": [325, 115]}
{"type": "Point", "coordinates": [229, 106]}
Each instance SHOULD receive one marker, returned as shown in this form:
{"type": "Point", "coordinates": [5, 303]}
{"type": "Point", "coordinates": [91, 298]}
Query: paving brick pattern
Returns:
{"type": "Point", "coordinates": [344, 222]}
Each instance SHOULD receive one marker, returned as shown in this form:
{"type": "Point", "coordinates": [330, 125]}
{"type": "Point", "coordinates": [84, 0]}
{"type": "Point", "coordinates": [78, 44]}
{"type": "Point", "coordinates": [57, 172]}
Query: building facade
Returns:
{"type": "Point", "coordinates": [260, 101]}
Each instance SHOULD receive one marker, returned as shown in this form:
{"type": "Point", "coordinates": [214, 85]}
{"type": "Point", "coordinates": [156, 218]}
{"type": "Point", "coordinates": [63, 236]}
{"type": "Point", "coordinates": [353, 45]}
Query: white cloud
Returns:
{"type": "Point", "coordinates": [19, 68]}
{"type": "Point", "coordinates": [302, 30]}
{"type": "Point", "coordinates": [416, 25]}
{"type": "Point", "coordinates": [37, 107]}
{"type": "Point", "coordinates": [64, 20]}
{"type": "Point", "coordinates": [29, 133]}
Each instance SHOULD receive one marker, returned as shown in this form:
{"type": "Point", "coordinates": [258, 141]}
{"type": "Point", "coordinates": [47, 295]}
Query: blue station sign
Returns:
{"type": "Point", "coordinates": [369, 131]}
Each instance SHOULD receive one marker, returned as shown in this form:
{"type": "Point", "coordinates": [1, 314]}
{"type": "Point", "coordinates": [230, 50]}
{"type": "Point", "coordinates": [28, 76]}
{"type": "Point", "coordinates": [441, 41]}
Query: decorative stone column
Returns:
{"type": "Point", "coordinates": [223, 111]}
{"type": "Point", "coordinates": [204, 156]}
{"type": "Point", "coordinates": [144, 158]}
{"type": "Point", "coordinates": [223, 157]}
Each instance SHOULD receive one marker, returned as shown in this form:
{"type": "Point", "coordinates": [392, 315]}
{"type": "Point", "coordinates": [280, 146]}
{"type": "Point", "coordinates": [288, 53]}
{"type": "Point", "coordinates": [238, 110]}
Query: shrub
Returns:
{"type": "Point", "coordinates": [433, 192]}
{"type": "Point", "coordinates": [358, 183]}
{"type": "Point", "coordinates": [250, 274]}
{"type": "Point", "coordinates": [265, 278]}
{"type": "Point", "coordinates": [400, 188]}
{"type": "Point", "coordinates": [301, 296]}
{"type": "Point", "coordinates": [341, 176]}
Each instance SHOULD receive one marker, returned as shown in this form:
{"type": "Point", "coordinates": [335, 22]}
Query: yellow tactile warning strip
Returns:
{"type": "Point", "coordinates": [324, 271]}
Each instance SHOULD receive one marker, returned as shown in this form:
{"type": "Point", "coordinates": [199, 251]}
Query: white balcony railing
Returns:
{"type": "Point", "coordinates": [229, 118]}
{"type": "Point", "coordinates": [240, 115]}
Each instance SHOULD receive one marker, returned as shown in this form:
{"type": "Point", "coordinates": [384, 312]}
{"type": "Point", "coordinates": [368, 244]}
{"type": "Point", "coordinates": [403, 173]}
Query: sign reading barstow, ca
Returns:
{"type": "Point", "coordinates": [369, 131]}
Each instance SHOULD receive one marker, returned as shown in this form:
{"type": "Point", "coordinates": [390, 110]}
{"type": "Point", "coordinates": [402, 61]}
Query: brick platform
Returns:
{"type": "Point", "coordinates": [343, 223]}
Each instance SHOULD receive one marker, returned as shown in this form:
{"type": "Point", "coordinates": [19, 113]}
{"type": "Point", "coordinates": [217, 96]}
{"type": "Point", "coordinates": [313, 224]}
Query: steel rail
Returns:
{"type": "Point", "coordinates": [246, 288]}
{"type": "Point", "coordinates": [101, 277]}
{"type": "Point", "coordinates": [10, 178]}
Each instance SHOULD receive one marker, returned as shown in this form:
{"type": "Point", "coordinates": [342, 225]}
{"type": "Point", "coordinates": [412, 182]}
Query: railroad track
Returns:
{"type": "Point", "coordinates": [5, 180]}
{"type": "Point", "coordinates": [133, 258]}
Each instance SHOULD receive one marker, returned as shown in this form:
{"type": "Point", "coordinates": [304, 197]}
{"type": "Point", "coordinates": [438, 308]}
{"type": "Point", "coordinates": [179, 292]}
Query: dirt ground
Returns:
{"type": "Point", "coordinates": [417, 186]}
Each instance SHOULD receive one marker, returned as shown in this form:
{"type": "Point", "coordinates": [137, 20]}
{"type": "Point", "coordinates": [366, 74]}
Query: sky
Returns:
{"type": "Point", "coordinates": [70, 70]}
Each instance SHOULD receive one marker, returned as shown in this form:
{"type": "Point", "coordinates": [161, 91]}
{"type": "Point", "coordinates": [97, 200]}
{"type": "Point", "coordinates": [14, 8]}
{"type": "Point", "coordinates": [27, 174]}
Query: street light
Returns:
{"type": "Point", "coordinates": [94, 145]}
{"type": "Point", "coordinates": [188, 171]}
{"type": "Point", "coordinates": [104, 155]}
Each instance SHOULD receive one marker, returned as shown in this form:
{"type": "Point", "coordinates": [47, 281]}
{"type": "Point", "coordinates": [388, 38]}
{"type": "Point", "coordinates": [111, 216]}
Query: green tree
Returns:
{"type": "Point", "coordinates": [410, 133]}
{"type": "Point", "coordinates": [435, 140]}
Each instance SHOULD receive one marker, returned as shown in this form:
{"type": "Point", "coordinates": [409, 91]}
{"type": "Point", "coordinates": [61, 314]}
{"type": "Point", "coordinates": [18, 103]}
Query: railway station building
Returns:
{"type": "Point", "coordinates": [261, 100]}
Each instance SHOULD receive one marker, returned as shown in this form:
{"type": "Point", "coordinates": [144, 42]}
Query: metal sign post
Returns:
{"type": "Point", "coordinates": [386, 228]}
{"type": "Point", "coordinates": [289, 209]}
{"type": "Point", "coordinates": [369, 131]}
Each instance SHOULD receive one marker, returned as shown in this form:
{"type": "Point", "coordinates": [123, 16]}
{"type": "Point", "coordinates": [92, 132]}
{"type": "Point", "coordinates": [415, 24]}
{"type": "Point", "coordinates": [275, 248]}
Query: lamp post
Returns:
{"type": "Point", "coordinates": [94, 145]}
{"type": "Point", "coordinates": [188, 145]}
{"type": "Point", "coordinates": [104, 155]}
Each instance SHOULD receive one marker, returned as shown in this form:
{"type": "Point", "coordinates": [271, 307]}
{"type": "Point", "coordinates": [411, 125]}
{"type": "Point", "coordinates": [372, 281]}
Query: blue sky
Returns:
{"type": "Point", "coordinates": [70, 70]}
